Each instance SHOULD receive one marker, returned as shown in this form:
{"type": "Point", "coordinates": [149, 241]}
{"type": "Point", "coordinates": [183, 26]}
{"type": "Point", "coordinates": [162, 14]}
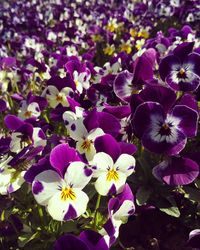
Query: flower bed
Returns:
{"type": "Point", "coordinates": [99, 124]}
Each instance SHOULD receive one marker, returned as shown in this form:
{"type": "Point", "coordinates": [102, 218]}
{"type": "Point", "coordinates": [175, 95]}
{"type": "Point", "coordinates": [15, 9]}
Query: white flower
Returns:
{"type": "Point", "coordinates": [111, 177]}
{"type": "Point", "coordinates": [63, 197]}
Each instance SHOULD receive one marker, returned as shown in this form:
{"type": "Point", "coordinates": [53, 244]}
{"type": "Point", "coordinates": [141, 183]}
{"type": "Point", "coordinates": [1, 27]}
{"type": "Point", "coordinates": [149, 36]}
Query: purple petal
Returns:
{"type": "Point", "coordinates": [142, 119]}
{"type": "Point", "coordinates": [182, 50]}
{"type": "Point", "coordinates": [189, 119]}
{"type": "Point", "coordinates": [93, 240]}
{"type": "Point", "coordinates": [106, 143]}
{"type": "Point", "coordinates": [71, 213]}
{"type": "Point", "coordinates": [166, 64]}
{"type": "Point", "coordinates": [194, 239]}
{"type": "Point", "coordinates": [37, 168]}
{"type": "Point", "coordinates": [107, 122]}
{"type": "Point", "coordinates": [118, 111]}
{"type": "Point", "coordinates": [69, 242]}
{"type": "Point", "coordinates": [127, 148]}
{"type": "Point", "coordinates": [12, 122]}
{"type": "Point", "coordinates": [123, 86]}
{"type": "Point", "coordinates": [190, 101]}
{"type": "Point", "coordinates": [177, 171]}
{"type": "Point", "coordinates": [61, 156]}
{"type": "Point", "coordinates": [3, 105]}
{"type": "Point", "coordinates": [164, 147]}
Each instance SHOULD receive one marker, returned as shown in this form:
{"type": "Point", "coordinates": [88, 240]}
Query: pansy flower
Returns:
{"type": "Point", "coordinates": [164, 132]}
{"type": "Point", "coordinates": [29, 111]}
{"type": "Point", "coordinates": [111, 166]}
{"type": "Point", "coordinates": [181, 70]}
{"type": "Point", "coordinates": [87, 240]}
{"type": "Point", "coordinates": [57, 91]}
{"type": "Point", "coordinates": [62, 193]}
{"type": "Point", "coordinates": [84, 138]}
{"type": "Point", "coordinates": [119, 209]}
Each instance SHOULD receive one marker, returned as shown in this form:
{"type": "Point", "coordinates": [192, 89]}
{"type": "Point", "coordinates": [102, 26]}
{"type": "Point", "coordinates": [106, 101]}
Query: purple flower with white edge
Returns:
{"type": "Point", "coordinates": [194, 239]}
{"type": "Point", "coordinates": [176, 170]}
{"type": "Point", "coordinates": [181, 70]}
{"type": "Point", "coordinates": [164, 132]}
{"type": "Point", "coordinates": [111, 166]}
{"type": "Point", "coordinates": [126, 83]}
{"type": "Point", "coordinates": [84, 138]}
{"type": "Point", "coordinates": [63, 196]}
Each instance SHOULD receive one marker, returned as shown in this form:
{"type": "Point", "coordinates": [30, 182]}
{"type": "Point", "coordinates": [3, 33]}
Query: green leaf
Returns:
{"type": "Point", "coordinates": [172, 211]}
{"type": "Point", "coordinates": [25, 238]}
{"type": "Point", "coordinates": [192, 193]}
{"type": "Point", "coordinates": [142, 195]}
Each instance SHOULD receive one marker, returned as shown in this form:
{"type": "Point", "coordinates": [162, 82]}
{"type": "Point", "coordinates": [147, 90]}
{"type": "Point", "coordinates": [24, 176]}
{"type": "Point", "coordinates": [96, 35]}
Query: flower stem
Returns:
{"type": "Point", "coordinates": [96, 211]}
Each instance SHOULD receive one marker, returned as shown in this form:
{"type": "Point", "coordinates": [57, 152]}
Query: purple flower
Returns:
{"type": "Point", "coordinates": [194, 239]}
{"type": "Point", "coordinates": [181, 70]}
{"type": "Point", "coordinates": [177, 171]}
{"type": "Point", "coordinates": [164, 132]}
{"type": "Point", "coordinates": [87, 240]}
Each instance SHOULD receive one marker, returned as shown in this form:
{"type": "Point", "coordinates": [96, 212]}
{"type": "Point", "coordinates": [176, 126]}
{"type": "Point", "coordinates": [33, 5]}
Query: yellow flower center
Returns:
{"type": "Point", "coordinates": [86, 145]}
{"type": "Point", "coordinates": [59, 98]}
{"type": "Point", "coordinates": [112, 175]}
{"type": "Point", "coordinates": [28, 114]}
{"type": "Point", "coordinates": [182, 71]}
{"type": "Point", "coordinates": [67, 193]}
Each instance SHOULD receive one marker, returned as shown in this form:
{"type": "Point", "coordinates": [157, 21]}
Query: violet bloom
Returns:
{"type": "Point", "coordinates": [194, 239]}
{"type": "Point", "coordinates": [177, 171]}
{"type": "Point", "coordinates": [87, 240]}
{"type": "Point", "coordinates": [181, 70]}
{"type": "Point", "coordinates": [127, 83]}
{"type": "Point", "coordinates": [164, 131]}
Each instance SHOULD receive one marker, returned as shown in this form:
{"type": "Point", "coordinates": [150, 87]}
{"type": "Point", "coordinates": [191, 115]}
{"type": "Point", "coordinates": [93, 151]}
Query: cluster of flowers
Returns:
{"type": "Point", "coordinates": [82, 95]}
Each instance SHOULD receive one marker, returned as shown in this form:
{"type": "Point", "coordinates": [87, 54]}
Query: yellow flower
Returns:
{"type": "Point", "coordinates": [133, 32]}
{"type": "Point", "coordinates": [126, 47]}
{"type": "Point", "coordinates": [109, 50]}
{"type": "Point", "coordinates": [143, 33]}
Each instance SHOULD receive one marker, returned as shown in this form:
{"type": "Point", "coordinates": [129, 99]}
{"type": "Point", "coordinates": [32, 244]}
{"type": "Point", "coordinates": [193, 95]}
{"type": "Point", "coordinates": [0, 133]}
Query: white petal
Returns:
{"type": "Point", "coordinates": [103, 185]}
{"type": "Point", "coordinates": [126, 164]}
{"type": "Point", "coordinates": [45, 185]}
{"type": "Point", "coordinates": [69, 117]}
{"type": "Point", "coordinates": [78, 175]}
{"type": "Point", "coordinates": [125, 210]}
{"type": "Point", "coordinates": [89, 154]}
{"type": "Point", "coordinates": [94, 133]}
{"type": "Point", "coordinates": [38, 141]}
{"type": "Point", "coordinates": [77, 130]}
{"type": "Point", "coordinates": [34, 109]}
{"type": "Point", "coordinates": [58, 208]}
{"type": "Point", "coordinates": [102, 162]}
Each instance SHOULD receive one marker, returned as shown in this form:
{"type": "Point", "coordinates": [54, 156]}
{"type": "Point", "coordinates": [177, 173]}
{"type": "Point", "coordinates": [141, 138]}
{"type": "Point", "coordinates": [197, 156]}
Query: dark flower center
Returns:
{"type": "Point", "coordinates": [182, 74]}
{"type": "Point", "coordinates": [165, 130]}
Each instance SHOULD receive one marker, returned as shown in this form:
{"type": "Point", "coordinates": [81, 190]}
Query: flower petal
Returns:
{"type": "Point", "coordinates": [102, 162]}
{"type": "Point", "coordinates": [45, 185]}
{"type": "Point", "coordinates": [109, 187]}
{"type": "Point", "coordinates": [67, 209]}
{"type": "Point", "coordinates": [126, 164]}
{"type": "Point", "coordinates": [78, 174]}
